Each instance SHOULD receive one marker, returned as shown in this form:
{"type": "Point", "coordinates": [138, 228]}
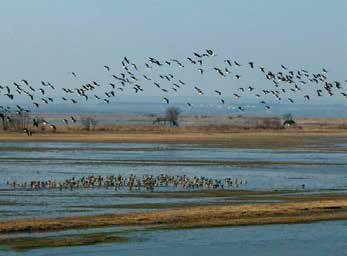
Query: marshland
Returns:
{"type": "Point", "coordinates": [94, 188]}
{"type": "Point", "coordinates": [173, 128]}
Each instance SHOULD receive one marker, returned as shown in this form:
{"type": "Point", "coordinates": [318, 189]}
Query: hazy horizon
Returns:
{"type": "Point", "coordinates": [208, 106]}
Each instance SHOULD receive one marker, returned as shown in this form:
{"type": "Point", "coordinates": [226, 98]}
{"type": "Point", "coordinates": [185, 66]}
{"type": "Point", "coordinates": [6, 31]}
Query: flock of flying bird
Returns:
{"type": "Point", "coordinates": [285, 84]}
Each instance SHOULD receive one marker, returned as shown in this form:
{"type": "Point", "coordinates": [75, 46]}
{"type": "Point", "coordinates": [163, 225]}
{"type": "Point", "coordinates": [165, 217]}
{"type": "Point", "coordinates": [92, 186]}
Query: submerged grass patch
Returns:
{"type": "Point", "coordinates": [234, 214]}
{"type": "Point", "coordinates": [8, 203]}
{"type": "Point", "coordinates": [294, 208]}
{"type": "Point", "coordinates": [27, 243]}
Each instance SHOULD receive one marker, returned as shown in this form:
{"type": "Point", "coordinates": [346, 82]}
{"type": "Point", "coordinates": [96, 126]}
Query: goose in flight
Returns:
{"type": "Point", "coordinates": [73, 119]}
{"type": "Point", "coordinates": [210, 52]}
{"type": "Point", "coordinates": [237, 64]}
{"type": "Point", "coordinates": [166, 100]}
{"type": "Point", "coordinates": [200, 92]}
{"type": "Point", "coordinates": [25, 81]}
{"type": "Point", "coordinates": [228, 61]}
{"type": "Point", "coordinates": [197, 55]}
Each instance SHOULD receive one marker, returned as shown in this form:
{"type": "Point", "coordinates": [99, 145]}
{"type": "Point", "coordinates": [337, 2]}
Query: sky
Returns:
{"type": "Point", "coordinates": [46, 40]}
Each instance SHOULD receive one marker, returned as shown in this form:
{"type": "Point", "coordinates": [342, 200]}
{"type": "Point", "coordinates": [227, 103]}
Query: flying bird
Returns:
{"type": "Point", "coordinates": [166, 100]}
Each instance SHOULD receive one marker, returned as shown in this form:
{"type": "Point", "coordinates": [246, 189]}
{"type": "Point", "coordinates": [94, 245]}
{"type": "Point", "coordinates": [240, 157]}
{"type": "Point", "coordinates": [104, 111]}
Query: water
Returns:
{"type": "Point", "coordinates": [322, 238]}
{"type": "Point", "coordinates": [318, 170]}
{"type": "Point", "coordinates": [60, 161]}
{"type": "Point", "coordinates": [174, 152]}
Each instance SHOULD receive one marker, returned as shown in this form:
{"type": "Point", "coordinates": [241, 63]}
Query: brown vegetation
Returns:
{"type": "Point", "coordinates": [88, 123]}
{"type": "Point", "coordinates": [315, 209]}
{"type": "Point", "coordinates": [26, 243]}
{"type": "Point", "coordinates": [223, 136]}
{"type": "Point", "coordinates": [15, 122]}
{"type": "Point", "coordinates": [189, 124]}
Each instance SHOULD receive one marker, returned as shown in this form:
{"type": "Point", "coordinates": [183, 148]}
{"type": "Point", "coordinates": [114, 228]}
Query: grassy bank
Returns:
{"type": "Point", "coordinates": [315, 209]}
{"type": "Point", "coordinates": [290, 139]}
{"type": "Point", "coordinates": [289, 208]}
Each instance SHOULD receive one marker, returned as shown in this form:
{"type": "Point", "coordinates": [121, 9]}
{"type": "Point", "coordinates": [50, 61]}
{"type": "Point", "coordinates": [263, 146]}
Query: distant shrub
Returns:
{"type": "Point", "coordinates": [269, 123]}
{"type": "Point", "coordinates": [16, 122]}
{"type": "Point", "coordinates": [88, 123]}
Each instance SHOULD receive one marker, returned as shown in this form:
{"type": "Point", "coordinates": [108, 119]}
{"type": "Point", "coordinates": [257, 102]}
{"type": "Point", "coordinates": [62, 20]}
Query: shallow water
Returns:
{"type": "Point", "coordinates": [127, 151]}
{"type": "Point", "coordinates": [25, 204]}
{"type": "Point", "coordinates": [59, 161]}
{"type": "Point", "coordinates": [322, 238]}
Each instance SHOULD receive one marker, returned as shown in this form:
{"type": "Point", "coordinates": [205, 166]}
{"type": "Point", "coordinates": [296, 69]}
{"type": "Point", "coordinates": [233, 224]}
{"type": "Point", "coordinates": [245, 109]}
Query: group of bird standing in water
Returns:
{"type": "Point", "coordinates": [164, 75]}
{"type": "Point", "coordinates": [132, 182]}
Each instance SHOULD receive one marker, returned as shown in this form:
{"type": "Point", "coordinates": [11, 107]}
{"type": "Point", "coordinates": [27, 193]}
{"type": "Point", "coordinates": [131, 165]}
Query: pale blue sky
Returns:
{"type": "Point", "coordinates": [44, 40]}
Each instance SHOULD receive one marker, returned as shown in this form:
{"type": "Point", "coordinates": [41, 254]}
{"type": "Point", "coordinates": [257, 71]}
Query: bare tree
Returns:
{"type": "Point", "coordinates": [17, 122]}
{"type": "Point", "coordinates": [88, 122]}
{"type": "Point", "coordinates": [4, 120]}
{"type": "Point", "coordinates": [172, 114]}
{"type": "Point", "coordinates": [288, 117]}
{"type": "Point", "coordinates": [272, 123]}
